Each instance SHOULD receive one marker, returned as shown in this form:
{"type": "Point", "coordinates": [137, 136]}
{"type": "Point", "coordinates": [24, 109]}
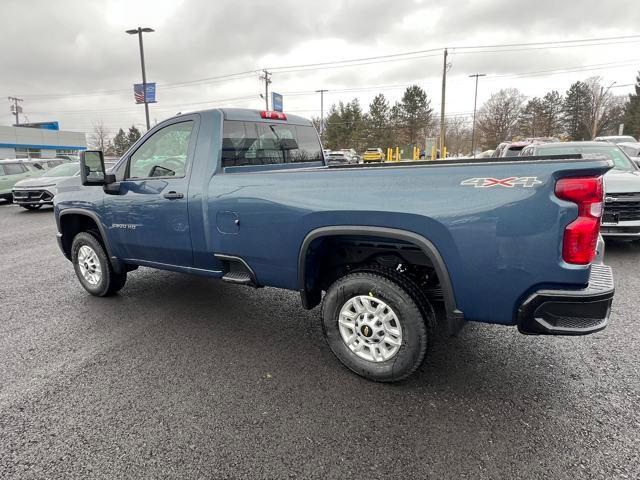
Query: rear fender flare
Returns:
{"type": "Point", "coordinates": [429, 249]}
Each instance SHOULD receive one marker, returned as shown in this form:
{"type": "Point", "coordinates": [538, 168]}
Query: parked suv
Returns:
{"type": "Point", "coordinates": [11, 172]}
{"type": "Point", "coordinates": [621, 216]}
{"type": "Point", "coordinates": [33, 193]}
{"type": "Point", "coordinates": [615, 139]}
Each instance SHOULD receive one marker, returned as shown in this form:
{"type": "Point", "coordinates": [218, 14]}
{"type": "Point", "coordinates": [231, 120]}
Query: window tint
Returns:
{"type": "Point", "coordinates": [13, 168]}
{"type": "Point", "coordinates": [164, 154]}
{"type": "Point", "coordinates": [257, 143]}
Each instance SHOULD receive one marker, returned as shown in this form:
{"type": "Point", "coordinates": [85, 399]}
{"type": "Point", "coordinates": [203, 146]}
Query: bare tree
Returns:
{"type": "Point", "coordinates": [600, 106]}
{"type": "Point", "coordinates": [99, 138]}
{"type": "Point", "coordinates": [498, 117]}
{"type": "Point", "coordinates": [458, 134]}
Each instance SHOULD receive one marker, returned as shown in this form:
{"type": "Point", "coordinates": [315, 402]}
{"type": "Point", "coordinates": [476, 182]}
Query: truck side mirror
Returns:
{"type": "Point", "coordinates": [92, 171]}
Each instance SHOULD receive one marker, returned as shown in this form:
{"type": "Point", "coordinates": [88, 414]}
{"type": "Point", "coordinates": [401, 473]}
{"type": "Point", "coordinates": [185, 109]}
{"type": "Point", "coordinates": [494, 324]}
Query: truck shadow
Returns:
{"type": "Point", "coordinates": [482, 362]}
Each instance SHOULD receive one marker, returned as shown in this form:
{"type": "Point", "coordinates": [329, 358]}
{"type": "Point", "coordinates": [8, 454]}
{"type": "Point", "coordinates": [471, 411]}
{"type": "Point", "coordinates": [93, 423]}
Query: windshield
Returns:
{"type": "Point", "coordinates": [620, 160]}
{"type": "Point", "coordinates": [64, 170]}
{"type": "Point", "coordinates": [631, 151]}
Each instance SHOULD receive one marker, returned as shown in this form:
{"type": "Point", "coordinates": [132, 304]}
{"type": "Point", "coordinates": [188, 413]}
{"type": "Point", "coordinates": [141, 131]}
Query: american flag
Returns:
{"type": "Point", "coordinates": [138, 92]}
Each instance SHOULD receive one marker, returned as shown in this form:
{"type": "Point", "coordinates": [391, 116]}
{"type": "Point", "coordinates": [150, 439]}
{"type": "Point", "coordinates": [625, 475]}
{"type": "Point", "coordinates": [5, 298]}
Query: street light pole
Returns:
{"type": "Point", "coordinates": [444, 88]}
{"type": "Point", "coordinates": [321, 92]}
{"type": "Point", "coordinates": [475, 102]}
{"type": "Point", "coordinates": [139, 32]}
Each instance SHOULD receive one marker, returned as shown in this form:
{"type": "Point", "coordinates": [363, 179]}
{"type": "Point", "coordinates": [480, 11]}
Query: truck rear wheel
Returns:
{"type": "Point", "coordinates": [374, 327]}
{"type": "Point", "coordinates": [93, 268]}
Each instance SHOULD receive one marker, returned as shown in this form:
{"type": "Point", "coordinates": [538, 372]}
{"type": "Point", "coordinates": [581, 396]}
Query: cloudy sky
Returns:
{"type": "Point", "coordinates": [71, 61]}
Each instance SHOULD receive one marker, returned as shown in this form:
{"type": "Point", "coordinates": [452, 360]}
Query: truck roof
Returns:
{"type": "Point", "coordinates": [252, 115]}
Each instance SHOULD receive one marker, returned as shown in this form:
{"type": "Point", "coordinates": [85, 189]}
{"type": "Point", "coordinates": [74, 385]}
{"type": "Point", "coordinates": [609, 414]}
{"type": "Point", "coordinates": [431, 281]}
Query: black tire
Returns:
{"type": "Point", "coordinates": [110, 281]}
{"type": "Point", "coordinates": [31, 207]}
{"type": "Point", "coordinates": [414, 331]}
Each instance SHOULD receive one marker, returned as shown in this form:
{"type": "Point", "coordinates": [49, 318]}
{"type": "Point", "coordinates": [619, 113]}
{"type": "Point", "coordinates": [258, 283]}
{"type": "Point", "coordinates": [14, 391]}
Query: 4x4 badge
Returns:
{"type": "Point", "coordinates": [510, 182]}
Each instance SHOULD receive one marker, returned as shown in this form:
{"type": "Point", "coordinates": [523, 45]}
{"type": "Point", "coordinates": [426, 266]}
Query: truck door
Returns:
{"type": "Point", "coordinates": [149, 216]}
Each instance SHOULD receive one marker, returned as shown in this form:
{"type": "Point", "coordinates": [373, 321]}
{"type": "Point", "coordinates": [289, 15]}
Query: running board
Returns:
{"type": "Point", "coordinates": [237, 271]}
{"type": "Point", "coordinates": [241, 278]}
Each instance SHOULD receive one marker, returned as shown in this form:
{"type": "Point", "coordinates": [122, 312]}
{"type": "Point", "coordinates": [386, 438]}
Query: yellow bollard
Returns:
{"type": "Point", "coordinates": [397, 154]}
{"type": "Point", "coordinates": [433, 152]}
{"type": "Point", "coordinates": [445, 153]}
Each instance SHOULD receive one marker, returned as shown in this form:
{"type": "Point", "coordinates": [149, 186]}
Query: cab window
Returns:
{"type": "Point", "coordinates": [260, 143]}
{"type": "Point", "coordinates": [164, 154]}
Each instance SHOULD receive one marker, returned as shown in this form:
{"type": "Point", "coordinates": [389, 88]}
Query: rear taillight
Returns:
{"type": "Point", "coordinates": [581, 235]}
{"type": "Point", "coordinates": [273, 115]}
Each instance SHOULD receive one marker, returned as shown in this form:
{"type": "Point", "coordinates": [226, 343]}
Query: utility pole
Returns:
{"type": "Point", "coordinates": [475, 102]}
{"type": "Point", "coordinates": [139, 32]}
{"type": "Point", "coordinates": [321, 92]}
{"type": "Point", "coordinates": [15, 108]}
{"type": "Point", "coordinates": [444, 88]}
{"type": "Point", "coordinates": [266, 76]}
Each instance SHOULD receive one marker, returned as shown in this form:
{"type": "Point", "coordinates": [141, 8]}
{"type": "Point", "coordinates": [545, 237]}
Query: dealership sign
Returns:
{"type": "Point", "coordinates": [139, 92]}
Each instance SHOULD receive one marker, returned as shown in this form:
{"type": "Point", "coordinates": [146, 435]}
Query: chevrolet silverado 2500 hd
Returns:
{"type": "Point", "coordinates": [245, 196]}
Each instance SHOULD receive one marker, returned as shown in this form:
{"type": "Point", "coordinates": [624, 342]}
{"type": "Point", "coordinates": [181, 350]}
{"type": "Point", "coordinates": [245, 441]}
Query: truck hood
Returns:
{"type": "Point", "coordinates": [39, 182]}
{"type": "Point", "coordinates": [621, 181]}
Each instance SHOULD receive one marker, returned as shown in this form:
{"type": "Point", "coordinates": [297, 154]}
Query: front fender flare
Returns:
{"type": "Point", "coordinates": [116, 263]}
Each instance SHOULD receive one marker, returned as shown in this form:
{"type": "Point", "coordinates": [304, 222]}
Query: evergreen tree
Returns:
{"type": "Point", "coordinates": [120, 142]}
{"type": "Point", "coordinates": [575, 109]}
{"type": "Point", "coordinates": [378, 124]}
{"type": "Point", "coordinates": [133, 135]}
{"type": "Point", "coordinates": [414, 114]}
{"type": "Point", "coordinates": [344, 126]}
{"type": "Point", "coordinates": [552, 104]}
{"type": "Point", "coordinates": [532, 119]}
{"type": "Point", "coordinates": [632, 112]}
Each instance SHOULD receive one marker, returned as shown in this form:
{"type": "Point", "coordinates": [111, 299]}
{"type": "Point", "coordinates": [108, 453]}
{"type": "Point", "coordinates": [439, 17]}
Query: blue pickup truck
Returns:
{"type": "Point", "coordinates": [390, 250]}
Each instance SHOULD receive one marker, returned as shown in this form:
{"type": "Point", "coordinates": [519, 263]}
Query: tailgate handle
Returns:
{"type": "Point", "coordinates": [173, 195]}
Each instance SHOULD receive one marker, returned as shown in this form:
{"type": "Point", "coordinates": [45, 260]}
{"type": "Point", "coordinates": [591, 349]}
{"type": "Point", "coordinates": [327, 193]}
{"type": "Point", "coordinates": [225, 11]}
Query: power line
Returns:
{"type": "Point", "coordinates": [587, 41]}
{"type": "Point", "coordinates": [374, 60]}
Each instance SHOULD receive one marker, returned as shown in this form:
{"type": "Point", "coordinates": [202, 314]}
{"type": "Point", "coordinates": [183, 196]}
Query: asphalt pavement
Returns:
{"type": "Point", "coordinates": [183, 377]}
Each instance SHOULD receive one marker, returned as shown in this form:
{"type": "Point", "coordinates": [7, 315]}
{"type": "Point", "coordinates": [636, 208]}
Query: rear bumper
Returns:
{"type": "Point", "coordinates": [569, 312]}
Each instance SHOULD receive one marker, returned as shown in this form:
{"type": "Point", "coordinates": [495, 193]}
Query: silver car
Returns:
{"type": "Point", "coordinates": [33, 193]}
{"type": "Point", "coordinates": [621, 217]}
{"type": "Point", "coordinates": [615, 139]}
{"type": "Point", "coordinates": [632, 149]}
{"type": "Point", "coordinates": [36, 192]}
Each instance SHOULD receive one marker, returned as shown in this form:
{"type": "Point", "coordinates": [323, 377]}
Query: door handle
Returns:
{"type": "Point", "coordinates": [173, 195]}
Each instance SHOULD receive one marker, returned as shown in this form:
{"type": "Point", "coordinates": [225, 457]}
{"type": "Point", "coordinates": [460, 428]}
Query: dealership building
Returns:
{"type": "Point", "coordinates": [39, 140]}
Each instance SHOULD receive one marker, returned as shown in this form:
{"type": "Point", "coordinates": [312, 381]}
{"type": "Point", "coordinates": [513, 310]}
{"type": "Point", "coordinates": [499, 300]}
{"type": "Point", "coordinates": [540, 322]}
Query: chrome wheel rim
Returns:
{"type": "Point", "coordinates": [89, 265]}
{"type": "Point", "coordinates": [370, 328]}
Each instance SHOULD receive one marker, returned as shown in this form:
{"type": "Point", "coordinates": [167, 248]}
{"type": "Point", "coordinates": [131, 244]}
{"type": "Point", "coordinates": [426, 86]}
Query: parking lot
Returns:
{"type": "Point", "coordinates": [183, 377]}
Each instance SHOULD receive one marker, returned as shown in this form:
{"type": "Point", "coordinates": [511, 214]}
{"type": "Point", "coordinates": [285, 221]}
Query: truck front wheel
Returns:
{"type": "Point", "coordinates": [374, 327]}
{"type": "Point", "coordinates": [93, 267]}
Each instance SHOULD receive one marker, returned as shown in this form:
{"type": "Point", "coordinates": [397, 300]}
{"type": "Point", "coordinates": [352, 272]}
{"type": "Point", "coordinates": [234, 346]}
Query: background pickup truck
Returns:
{"type": "Point", "coordinates": [396, 249]}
